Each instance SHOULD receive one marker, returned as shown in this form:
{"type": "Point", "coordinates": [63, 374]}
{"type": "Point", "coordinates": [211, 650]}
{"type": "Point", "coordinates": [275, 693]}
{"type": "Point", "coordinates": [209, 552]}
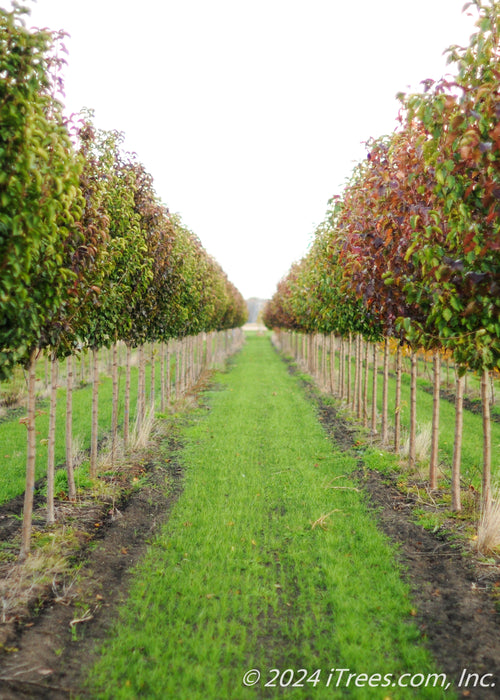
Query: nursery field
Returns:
{"type": "Point", "coordinates": [271, 574]}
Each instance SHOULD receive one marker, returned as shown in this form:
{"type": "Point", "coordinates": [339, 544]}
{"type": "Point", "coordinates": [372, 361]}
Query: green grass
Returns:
{"type": "Point", "coordinates": [13, 434]}
{"type": "Point", "coordinates": [264, 563]}
{"type": "Point", "coordinates": [472, 443]}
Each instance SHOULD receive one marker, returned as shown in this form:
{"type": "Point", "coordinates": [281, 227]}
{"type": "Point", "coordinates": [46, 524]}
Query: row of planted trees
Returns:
{"type": "Point", "coordinates": [410, 252]}
{"type": "Point", "coordinates": [89, 257]}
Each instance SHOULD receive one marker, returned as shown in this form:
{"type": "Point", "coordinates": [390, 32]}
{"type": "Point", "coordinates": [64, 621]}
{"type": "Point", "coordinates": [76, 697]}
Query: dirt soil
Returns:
{"type": "Point", "coordinates": [46, 652]}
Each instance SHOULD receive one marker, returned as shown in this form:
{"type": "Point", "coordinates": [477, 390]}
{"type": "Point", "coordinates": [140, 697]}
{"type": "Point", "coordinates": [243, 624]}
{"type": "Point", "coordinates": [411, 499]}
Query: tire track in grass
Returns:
{"type": "Point", "coordinates": [270, 560]}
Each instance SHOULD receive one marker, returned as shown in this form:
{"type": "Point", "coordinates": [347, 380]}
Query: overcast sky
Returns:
{"type": "Point", "coordinates": [250, 114]}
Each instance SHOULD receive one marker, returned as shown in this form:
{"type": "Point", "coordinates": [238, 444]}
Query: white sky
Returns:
{"type": "Point", "coordinates": [250, 114]}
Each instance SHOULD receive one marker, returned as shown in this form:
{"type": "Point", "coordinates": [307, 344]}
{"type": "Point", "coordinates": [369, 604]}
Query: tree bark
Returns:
{"type": "Point", "coordinates": [456, 503]}
{"type": "Point", "coordinates": [168, 374]}
{"type": "Point", "coordinates": [374, 389]}
{"type": "Point", "coordinates": [324, 363]}
{"type": "Point", "coordinates": [95, 413]}
{"type": "Point", "coordinates": [413, 411]}
{"type": "Point", "coordinates": [397, 407]}
{"type": "Point", "coordinates": [385, 395]}
{"type": "Point", "coordinates": [126, 403]}
{"type": "Point", "coordinates": [178, 368]}
{"type": "Point", "coordinates": [162, 377]}
{"type": "Point", "coordinates": [141, 386]}
{"type": "Point", "coordinates": [152, 395]}
{"type": "Point", "coordinates": [355, 394]}
{"type": "Point", "coordinates": [69, 430]}
{"type": "Point", "coordinates": [332, 363]}
{"type": "Point", "coordinates": [349, 369]}
{"type": "Point", "coordinates": [433, 462]}
{"type": "Point", "coordinates": [341, 369]}
{"type": "Point", "coordinates": [365, 386]}
{"type": "Point", "coordinates": [30, 460]}
{"type": "Point", "coordinates": [114, 408]}
{"type": "Point", "coordinates": [485, 399]}
{"type": "Point", "coordinates": [51, 447]}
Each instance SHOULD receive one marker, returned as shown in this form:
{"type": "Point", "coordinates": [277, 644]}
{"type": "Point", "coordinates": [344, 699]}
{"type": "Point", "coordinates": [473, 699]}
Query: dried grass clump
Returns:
{"type": "Point", "coordinates": [78, 450]}
{"type": "Point", "coordinates": [140, 435]}
{"type": "Point", "coordinates": [423, 441]}
{"type": "Point", "coordinates": [488, 530]}
{"type": "Point", "coordinates": [106, 459]}
{"type": "Point", "coordinates": [23, 583]}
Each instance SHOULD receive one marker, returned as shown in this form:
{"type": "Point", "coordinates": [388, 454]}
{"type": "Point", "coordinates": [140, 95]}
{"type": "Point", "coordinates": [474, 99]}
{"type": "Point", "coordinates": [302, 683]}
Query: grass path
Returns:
{"type": "Point", "coordinates": [265, 563]}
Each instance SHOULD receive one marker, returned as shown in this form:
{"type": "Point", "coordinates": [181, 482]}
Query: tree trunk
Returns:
{"type": "Point", "coordinates": [359, 400]}
{"type": "Point", "coordinates": [95, 413]}
{"type": "Point", "coordinates": [114, 408]}
{"type": "Point", "coordinates": [485, 399]}
{"type": "Point", "coordinates": [152, 395]}
{"type": "Point", "coordinates": [182, 366]}
{"type": "Point", "coordinates": [162, 378]}
{"type": "Point", "coordinates": [324, 363]}
{"type": "Point", "coordinates": [332, 363]}
{"type": "Point", "coordinates": [374, 390]}
{"type": "Point", "coordinates": [355, 396]}
{"type": "Point", "coordinates": [357, 378]}
{"type": "Point", "coordinates": [341, 369]}
{"type": "Point", "coordinates": [69, 430]}
{"type": "Point", "coordinates": [365, 387]}
{"type": "Point", "coordinates": [397, 407]}
{"type": "Point", "coordinates": [46, 372]}
{"type": "Point", "coordinates": [413, 411]}
{"type": "Point", "coordinates": [126, 404]}
{"type": "Point", "coordinates": [433, 462]}
{"type": "Point", "coordinates": [168, 374]}
{"type": "Point", "coordinates": [30, 460]}
{"type": "Point", "coordinates": [189, 362]}
{"type": "Point", "coordinates": [51, 447]}
{"type": "Point", "coordinates": [385, 395]}
{"type": "Point", "coordinates": [349, 369]}
{"type": "Point", "coordinates": [310, 354]}
{"type": "Point", "coordinates": [456, 503]}
{"type": "Point", "coordinates": [141, 386]}
{"type": "Point", "coordinates": [178, 367]}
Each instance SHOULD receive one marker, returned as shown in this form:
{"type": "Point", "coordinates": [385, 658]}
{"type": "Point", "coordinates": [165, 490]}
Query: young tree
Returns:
{"type": "Point", "coordinates": [458, 251]}
{"type": "Point", "coordinates": [38, 206]}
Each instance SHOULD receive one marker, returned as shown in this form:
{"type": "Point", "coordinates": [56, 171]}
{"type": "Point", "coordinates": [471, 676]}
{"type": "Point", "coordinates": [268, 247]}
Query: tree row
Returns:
{"type": "Point", "coordinates": [89, 256]}
{"type": "Point", "coordinates": [410, 251]}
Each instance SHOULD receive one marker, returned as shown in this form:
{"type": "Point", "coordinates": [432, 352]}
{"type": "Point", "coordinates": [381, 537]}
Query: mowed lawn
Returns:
{"type": "Point", "coordinates": [270, 559]}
